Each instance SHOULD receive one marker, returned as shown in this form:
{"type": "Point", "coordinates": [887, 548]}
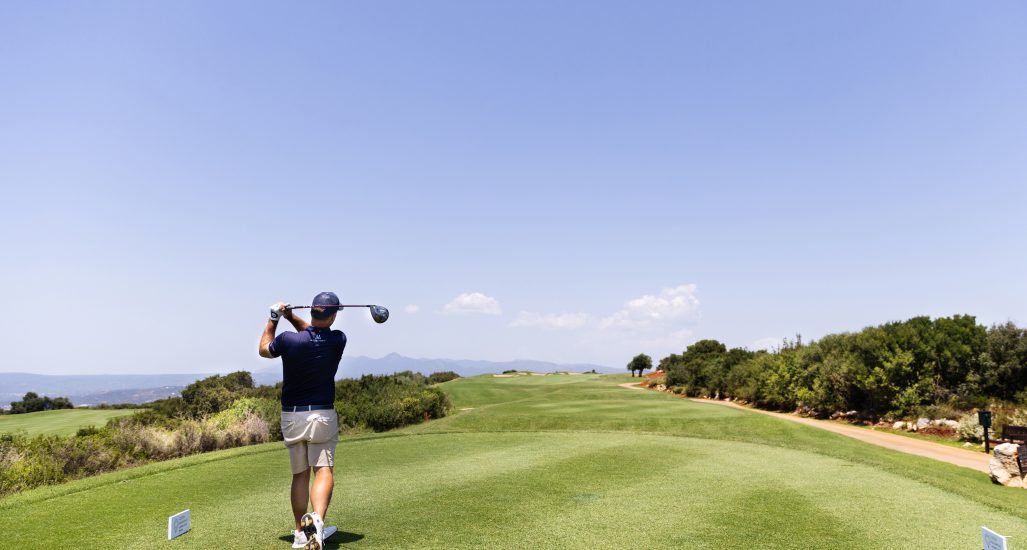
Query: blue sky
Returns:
{"type": "Point", "coordinates": [566, 181]}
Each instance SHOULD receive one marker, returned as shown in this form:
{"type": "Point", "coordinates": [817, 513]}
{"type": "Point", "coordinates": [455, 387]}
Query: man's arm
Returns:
{"type": "Point", "coordinates": [267, 337]}
{"type": "Point", "coordinates": [269, 330]}
{"type": "Point", "coordinates": [298, 323]}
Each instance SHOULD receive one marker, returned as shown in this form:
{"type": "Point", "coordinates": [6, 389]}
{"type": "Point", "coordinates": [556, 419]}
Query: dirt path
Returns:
{"type": "Point", "coordinates": [959, 457]}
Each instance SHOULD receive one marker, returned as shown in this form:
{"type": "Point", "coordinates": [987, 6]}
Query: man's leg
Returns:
{"type": "Point", "coordinates": [300, 494]}
{"type": "Point", "coordinates": [321, 492]}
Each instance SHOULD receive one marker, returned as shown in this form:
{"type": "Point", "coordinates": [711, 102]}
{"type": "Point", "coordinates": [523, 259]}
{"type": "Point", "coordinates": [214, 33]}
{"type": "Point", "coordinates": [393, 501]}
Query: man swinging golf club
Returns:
{"type": "Point", "coordinates": [310, 426]}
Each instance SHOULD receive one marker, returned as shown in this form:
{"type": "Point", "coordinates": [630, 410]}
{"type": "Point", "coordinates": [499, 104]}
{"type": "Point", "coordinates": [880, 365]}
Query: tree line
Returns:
{"type": "Point", "coordinates": [892, 370]}
{"type": "Point", "coordinates": [32, 402]}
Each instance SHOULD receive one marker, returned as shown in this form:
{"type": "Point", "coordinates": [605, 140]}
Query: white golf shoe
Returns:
{"type": "Point", "coordinates": [313, 528]}
{"type": "Point", "coordinates": [299, 539]}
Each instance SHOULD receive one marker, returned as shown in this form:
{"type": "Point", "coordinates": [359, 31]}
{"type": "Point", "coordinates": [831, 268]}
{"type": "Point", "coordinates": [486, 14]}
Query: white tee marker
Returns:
{"type": "Point", "coordinates": [993, 540]}
{"type": "Point", "coordinates": [178, 524]}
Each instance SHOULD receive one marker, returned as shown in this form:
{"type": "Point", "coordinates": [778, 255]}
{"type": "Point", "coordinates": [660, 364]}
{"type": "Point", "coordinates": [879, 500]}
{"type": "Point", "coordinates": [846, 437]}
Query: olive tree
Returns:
{"type": "Point", "coordinates": [640, 363]}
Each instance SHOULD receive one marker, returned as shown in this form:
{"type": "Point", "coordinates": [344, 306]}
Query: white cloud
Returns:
{"type": "Point", "coordinates": [412, 308]}
{"type": "Point", "coordinates": [551, 321]}
{"type": "Point", "coordinates": [769, 343]}
{"type": "Point", "coordinates": [671, 306]}
{"type": "Point", "coordinates": [473, 302]}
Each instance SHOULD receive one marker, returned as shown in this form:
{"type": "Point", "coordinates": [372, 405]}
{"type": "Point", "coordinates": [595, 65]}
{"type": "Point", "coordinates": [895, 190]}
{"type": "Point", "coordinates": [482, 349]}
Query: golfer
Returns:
{"type": "Point", "coordinates": [310, 426]}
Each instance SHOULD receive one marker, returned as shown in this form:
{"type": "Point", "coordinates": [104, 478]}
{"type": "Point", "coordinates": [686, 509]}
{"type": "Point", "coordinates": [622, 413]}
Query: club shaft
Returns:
{"type": "Point", "coordinates": [340, 305]}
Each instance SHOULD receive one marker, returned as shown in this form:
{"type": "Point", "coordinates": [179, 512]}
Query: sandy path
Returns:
{"type": "Point", "coordinates": [952, 455]}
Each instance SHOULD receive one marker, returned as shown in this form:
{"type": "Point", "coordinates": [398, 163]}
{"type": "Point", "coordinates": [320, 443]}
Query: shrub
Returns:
{"type": "Point", "coordinates": [938, 412]}
{"type": "Point", "coordinates": [266, 409]}
{"type": "Point", "coordinates": [87, 431]}
{"type": "Point", "coordinates": [970, 429]}
{"type": "Point", "coordinates": [440, 377]}
{"type": "Point", "coordinates": [216, 393]}
{"type": "Point", "coordinates": [23, 466]}
{"type": "Point", "coordinates": [386, 402]}
{"type": "Point", "coordinates": [143, 418]}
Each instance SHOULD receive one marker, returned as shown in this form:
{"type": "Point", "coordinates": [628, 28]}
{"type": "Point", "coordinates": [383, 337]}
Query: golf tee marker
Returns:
{"type": "Point", "coordinates": [178, 524]}
{"type": "Point", "coordinates": [993, 540]}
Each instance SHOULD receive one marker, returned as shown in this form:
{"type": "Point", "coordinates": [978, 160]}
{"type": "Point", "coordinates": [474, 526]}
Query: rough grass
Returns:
{"type": "Point", "coordinates": [59, 422]}
{"type": "Point", "coordinates": [549, 462]}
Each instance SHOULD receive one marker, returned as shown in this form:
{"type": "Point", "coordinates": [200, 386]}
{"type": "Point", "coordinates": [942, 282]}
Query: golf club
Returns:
{"type": "Point", "coordinates": [378, 313]}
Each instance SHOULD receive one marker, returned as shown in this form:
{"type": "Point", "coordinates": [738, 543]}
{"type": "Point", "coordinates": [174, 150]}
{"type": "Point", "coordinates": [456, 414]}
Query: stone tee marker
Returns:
{"type": "Point", "coordinates": [1004, 466]}
{"type": "Point", "coordinates": [993, 540]}
{"type": "Point", "coordinates": [178, 524]}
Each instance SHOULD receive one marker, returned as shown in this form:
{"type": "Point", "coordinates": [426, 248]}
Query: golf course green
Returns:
{"type": "Point", "coordinates": [59, 422]}
{"type": "Point", "coordinates": [557, 461]}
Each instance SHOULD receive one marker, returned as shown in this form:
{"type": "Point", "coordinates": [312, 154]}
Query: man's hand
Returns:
{"type": "Point", "coordinates": [280, 310]}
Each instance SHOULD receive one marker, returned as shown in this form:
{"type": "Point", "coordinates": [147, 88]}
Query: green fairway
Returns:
{"type": "Point", "coordinates": [549, 462]}
{"type": "Point", "coordinates": [59, 422]}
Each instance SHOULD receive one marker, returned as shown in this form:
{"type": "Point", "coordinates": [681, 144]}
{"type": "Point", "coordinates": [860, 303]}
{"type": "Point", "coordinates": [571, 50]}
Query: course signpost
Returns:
{"type": "Point", "coordinates": [178, 524]}
{"type": "Point", "coordinates": [993, 540]}
{"type": "Point", "coordinates": [984, 418]}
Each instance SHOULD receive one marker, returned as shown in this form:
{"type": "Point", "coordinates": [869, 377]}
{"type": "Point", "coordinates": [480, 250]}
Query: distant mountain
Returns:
{"type": "Point", "coordinates": [14, 385]}
{"type": "Point", "coordinates": [353, 367]}
{"type": "Point", "coordinates": [128, 396]}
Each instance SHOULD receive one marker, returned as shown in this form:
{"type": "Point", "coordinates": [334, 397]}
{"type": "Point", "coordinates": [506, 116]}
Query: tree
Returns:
{"type": "Point", "coordinates": [641, 362]}
{"type": "Point", "coordinates": [216, 393]}
{"type": "Point", "coordinates": [694, 369]}
{"type": "Point", "coordinates": [33, 403]}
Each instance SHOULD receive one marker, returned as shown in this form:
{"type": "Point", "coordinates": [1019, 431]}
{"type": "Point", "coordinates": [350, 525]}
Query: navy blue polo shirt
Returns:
{"type": "Point", "coordinates": [310, 360]}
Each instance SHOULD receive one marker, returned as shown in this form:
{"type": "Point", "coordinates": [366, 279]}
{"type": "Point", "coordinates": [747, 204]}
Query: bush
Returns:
{"type": "Point", "coordinates": [143, 418]}
{"type": "Point", "coordinates": [23, 467]}
{"type": "Point", "coordinates": [440, 377]}
{"type": "Point", "coordinates": [970, 429]}
{"type": "Point", "coordinates": [216, 393]}
{"type": "Point", "coordinates": [267, 410]}
{"type": "Point", "coordinates": [939, 412]}
{"type": "Point", "coordinates": [87, 431]}
{"type": "Point", "coordinates": [386, 402]}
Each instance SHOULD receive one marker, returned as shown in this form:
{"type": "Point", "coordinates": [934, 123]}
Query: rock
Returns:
{"type": "Point", "coordinates": [954, 424]}
{"type": "Point", "coordinates": [922, 423]}
{"type": "Point", "coordinates": [1003, 467]}
{"type": "Point", "coordinates": [898, 425]}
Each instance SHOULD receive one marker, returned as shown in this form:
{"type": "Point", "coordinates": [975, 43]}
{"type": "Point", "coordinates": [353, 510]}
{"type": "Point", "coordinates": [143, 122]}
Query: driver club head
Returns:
{"type": "Point", "coordinates": [379, 314]}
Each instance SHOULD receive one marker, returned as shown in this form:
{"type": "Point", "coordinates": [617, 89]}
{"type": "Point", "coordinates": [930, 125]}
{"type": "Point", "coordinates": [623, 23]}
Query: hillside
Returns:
{"type": "Point", "coordinates": [59, 422]}
{"type": "Point", "coordinates": [551, 462]}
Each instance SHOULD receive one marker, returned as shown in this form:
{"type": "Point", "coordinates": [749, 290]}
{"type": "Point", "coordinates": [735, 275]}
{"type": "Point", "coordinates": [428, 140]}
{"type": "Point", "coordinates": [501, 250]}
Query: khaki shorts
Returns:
{"type": "Point", "coordinates": [310, 437]}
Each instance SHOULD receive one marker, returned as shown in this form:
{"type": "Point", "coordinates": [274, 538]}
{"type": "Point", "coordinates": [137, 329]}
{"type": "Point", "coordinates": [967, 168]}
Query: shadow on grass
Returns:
{"type": "Point", "coordinates": [340, 537]}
